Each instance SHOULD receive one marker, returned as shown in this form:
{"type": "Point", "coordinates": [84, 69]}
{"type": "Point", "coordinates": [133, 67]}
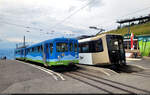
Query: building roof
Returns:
{"type": "Point", "coordinates": [133, 19]}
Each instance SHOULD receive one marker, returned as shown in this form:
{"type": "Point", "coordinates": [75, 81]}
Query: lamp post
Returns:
{"type": "Point", "coordinates": [24, 41]}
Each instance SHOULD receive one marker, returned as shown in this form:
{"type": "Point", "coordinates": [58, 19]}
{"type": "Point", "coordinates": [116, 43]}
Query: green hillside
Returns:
{"type": "Point", "coordinates": [143, 29]}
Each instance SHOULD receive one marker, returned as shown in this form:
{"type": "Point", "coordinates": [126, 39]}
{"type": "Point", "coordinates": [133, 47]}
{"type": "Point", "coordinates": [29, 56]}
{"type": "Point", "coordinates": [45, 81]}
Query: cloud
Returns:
{"type": "Point", "coordinates": [95, 3]}
{"type": "Point", "coordinates": [72, 8]}
{"type": "Point", "coordinates": [17, 40]}
{"type": "Point", "coordinates": [1, 40]}
{"type": "Point", "coordinates": [7, 45]}
{"type": "Point", "coordinates": [43, 15]}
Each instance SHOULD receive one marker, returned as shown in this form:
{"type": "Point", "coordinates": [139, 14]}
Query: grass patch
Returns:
{"type": "Point", "coordinates": [142, 29]}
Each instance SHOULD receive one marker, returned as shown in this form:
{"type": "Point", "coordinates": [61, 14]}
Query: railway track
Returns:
{"type": "Point", "coordinates": [94, 80]}
{"type": "Point", "coordinates": [104, 84]}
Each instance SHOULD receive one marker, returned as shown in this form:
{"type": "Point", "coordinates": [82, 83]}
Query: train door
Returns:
{"type": "Point", "coordinates": [73, 50]}
{"type": "Point", "coordinates": [115, 49]}
{"type": "Point", "coordinates": [49, 51]}
{"type": "Point", "coordinates": [61, 51]}
{"type": "Point", "coordinates": [76, 50]}
{"type": "Point", "coordinates": [43, 48]}
{"type": "Point", "coordinates": [46, 54]}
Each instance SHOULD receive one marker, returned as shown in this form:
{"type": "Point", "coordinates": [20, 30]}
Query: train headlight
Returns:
{"type": "Point", "coordinates": [116, 43]}
{"type": "Point", "coordinates": [123, 61]}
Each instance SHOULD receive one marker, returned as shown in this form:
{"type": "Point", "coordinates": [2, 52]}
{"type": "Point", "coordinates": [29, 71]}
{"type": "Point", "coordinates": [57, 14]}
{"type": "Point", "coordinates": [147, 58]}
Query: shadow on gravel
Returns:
{"type": "Point", "coordinates": [64, 68]}
{"type": "Point", "coordinates": [121, 68]}
{"type": "Point", "coordinates": [116, 68]}
{"type": "Point", "coordinates": [56, 68]}
{"type": "Point", "coordinates": [126, 69]}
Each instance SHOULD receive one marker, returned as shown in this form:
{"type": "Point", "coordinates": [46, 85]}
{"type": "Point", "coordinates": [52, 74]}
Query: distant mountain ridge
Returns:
{"type": "Point", "coordinates": [9, 53]}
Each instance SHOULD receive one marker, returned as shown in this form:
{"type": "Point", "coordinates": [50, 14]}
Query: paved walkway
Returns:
{"type": "Point", "coordinates": [16, 77]}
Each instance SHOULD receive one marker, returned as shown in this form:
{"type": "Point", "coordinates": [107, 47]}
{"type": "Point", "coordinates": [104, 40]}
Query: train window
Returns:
{"type": "Point", "coordinates": [26, 52]}
{"type": "Point", "coordinates": [51, 48]}
{"type": "Point", "coordinates": [61, 47]}
{"type": "Point", "coordinates": [98, 46]}
{"type": "Point", "coordinates": [41, 48]}
{"type": "Point", "coordinates": [114, 44]}
{"type": "Point", "coordinates": [35, 49]}
{"type": "Point", "coordinates": [18, 52]}
{"type": "Point", "coordinates": [80, 48]}
{"type": "Point", "coordinates": [85, 48]}
{"type": "Point", "coordinates": [21, 52]}
{"type": "Point", "coordinates": [47, 49]}
{"type": "Point", "coordinates": [91, 47]}
{"type": "Point", "coordinates": [76, 47]}
{"type": "Point", "coordinates": [29, 50]}
{"type": "Point", "coordinates": [71, 46]}
{"type": "Point", "coordinates": [38, 48]}
{"type": "Point", "coordinates": [32, 49]}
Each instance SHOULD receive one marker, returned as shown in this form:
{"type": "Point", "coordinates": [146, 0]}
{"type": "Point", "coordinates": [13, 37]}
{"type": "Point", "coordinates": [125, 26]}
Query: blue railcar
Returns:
{"type": "Point", "coordinates": [19, 53]}
{"type": "Point", "coordinates": [58, 51]}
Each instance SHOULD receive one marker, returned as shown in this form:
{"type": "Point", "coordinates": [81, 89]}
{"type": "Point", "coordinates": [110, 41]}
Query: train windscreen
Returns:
{"type": "Point", "coordinates": [115, 48]}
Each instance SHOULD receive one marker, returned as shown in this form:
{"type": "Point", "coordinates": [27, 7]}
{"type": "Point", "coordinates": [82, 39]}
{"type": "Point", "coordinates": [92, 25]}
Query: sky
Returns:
{"type": "Point", "coordinates": [39, 20]}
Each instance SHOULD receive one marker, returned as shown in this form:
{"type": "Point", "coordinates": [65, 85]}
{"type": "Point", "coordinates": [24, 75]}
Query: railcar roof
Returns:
{"type": "Point", "coordinates": [94, 37]}
{"type": "Point", "coordinates": [50, 40]}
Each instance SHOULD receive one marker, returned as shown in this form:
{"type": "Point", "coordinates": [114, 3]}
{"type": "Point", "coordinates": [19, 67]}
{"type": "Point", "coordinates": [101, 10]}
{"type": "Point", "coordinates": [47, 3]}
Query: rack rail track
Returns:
{"type": "Point", "coordinates": [82, 75]}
